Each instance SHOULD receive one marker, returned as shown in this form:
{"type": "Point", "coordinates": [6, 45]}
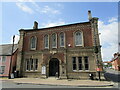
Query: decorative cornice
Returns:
{"type": "Point", "coordinates": [59, 29]}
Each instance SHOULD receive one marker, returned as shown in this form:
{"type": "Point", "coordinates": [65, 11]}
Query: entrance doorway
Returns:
{"type": "Point", "coordinates": [53, 67]}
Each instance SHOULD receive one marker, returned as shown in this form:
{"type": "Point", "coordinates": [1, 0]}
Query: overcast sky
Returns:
{"type": "Point", "coordinates": [17, 15]}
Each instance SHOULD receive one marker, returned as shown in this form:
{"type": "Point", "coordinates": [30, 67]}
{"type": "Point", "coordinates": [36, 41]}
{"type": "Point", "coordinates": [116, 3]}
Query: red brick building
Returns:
{"type": "Point", "coordinates": [116, 62]}
{"type": "Point", "coordinates": [68, 51]}
{"type": "Point", "coordinates": [5, 59]}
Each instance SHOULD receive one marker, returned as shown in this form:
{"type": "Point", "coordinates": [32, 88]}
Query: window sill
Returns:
{"type": "Point", "coordinates": [78, 45]}
{"type": "Point", "coordinates": [62, 46]}
{"type": "Point", "coordinates": [54, 47]}
{"type": "Point", "coordinates": [80, 70]}
{"type": "Point", "coordinates": [86, 70]}
{"type": "Point", "coordinates": [46, 48]}
{"type": "Point", "coordinates": [33, 49]}
{"type": "Point", "coordinates": [74, 70]}
{"type": "Point", "coordinates": [32, 71]}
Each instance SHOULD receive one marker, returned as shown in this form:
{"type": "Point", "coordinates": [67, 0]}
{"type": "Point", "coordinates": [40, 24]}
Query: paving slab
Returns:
{"type": "Point", "coordinates": [66, 82]}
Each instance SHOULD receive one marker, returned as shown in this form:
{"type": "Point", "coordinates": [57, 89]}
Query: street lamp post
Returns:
{"type": "Point", "coordinates": [10, 68]}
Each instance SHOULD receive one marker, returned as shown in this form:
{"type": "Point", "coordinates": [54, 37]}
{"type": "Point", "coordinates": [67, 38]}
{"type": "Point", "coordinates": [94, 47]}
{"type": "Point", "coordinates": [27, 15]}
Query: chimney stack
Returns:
{"type": "Point", "coordinates": [35, 25]}
{"type": "Point", "coordinates": [89, 15]}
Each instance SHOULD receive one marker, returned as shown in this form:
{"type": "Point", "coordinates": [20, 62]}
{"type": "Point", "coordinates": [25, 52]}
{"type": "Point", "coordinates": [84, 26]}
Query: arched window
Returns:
{"type": "Point", "coordinates": [33, 42]}
{"type": "Point", "coordinates": [78, 39]}
{"type": "Point", "coordinates": [46, 42]}
{"type": "Point", "coordinates": [62, 39]}
{"type": "Point", "coordinates": [54, 40]}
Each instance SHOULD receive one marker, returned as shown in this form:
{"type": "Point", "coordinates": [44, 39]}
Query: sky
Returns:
{"type": "Point", "coordinates": [18, 15]}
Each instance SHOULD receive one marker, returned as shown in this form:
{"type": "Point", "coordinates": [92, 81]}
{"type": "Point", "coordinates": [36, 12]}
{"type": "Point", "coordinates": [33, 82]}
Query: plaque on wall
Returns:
{"type": "Point", "coordinates": [43, 69]}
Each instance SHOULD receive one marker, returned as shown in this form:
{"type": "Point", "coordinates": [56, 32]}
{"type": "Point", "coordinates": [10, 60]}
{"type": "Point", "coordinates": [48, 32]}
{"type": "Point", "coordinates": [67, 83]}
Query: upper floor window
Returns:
{"type": "Point", "coordinates": [46, 41]}
{"type": "Point", "coordinates": [3, 58]}
{"type": "Point", "coordinates": [62, 39]}
{"type": "Point", "coordinates": [78, 39]}
{"type": "Point", "coordinates": [33, 43]}
{"type": "Point", "coordinates": [54, 40]}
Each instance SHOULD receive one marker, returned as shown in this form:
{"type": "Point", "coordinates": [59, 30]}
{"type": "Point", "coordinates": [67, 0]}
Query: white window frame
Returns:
{"type": "Point", "coordinates": [52, 40]}
{"type": "Point", "coordinates": [31, 43]}
{"type": "Point", "coordinates": [81, 38]}
{"type": "Point", "coordinates": [63, 39]}
{"type": "Point", "coordinates": [45, 42]}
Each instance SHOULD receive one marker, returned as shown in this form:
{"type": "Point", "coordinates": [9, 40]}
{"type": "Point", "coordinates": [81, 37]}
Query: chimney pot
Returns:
{"type": "Point", "coordinates": [89, 15]}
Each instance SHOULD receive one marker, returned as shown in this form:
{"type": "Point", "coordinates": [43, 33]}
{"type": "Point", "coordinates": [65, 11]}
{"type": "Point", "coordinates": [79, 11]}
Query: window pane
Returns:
{"type": "Point", "coordinates": [78, 38]}
{"type": "Point", "coordinates": [46, 41]}
{"type": "Point", "coordinates": [31, 64]}
{"type": "Point", "coordinates": [74, 67]}
{"type": "Point", "coordinates": [3, 58]}
{"type": "Point", "coordinates": [74, 63]}
{"type": "Point", "coordinates": [62, 39]}
{"type": "Point", "coordinates": [80, 59]}
{"type": "Point", "coordinates": [86, 63]}
{"type": "Point", "coordinates": [33, 42]}
{"type": "Point", "coordinates": [80, 63]}
{"type": "Point", "coordinates": [2, 69]}
{"type": "Point", "coordinates": [36, 64]}
{"type": "Point", "coordinates": [54, 41]}
{"type": "Point", "coordinates": [27, 64]}
{"type": "Point", "coordinates": [74, 59]}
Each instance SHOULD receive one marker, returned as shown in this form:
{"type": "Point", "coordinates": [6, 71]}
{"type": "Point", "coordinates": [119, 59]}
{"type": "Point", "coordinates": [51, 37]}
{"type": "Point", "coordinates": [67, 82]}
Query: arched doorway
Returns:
{"type": "Point", "coordinates": [53, 67]}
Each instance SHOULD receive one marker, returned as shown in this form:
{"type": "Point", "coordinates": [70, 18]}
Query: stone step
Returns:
{"type": "Point", "coordinates": [52, 78]}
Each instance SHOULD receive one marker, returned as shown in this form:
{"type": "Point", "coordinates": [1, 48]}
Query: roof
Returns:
{"type": "Point", "coordinates": [116, 55]}
{"type": "Point", "coordinates": [55, 26]}
{"type": "Point", "coordinates": [6, 49]}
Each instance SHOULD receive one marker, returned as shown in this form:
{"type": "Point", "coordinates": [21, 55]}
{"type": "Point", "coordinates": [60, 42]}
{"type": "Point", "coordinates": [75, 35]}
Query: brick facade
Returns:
{"type": "Point", "coordinates": [63, 54]}
{"type": "Point", "coordinates": [116, 62]}
{"type": "Point", "coordinates": [6, 53]}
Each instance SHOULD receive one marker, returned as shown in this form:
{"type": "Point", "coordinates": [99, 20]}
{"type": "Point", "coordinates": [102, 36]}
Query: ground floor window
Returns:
{"type": "Point", "coordinates": [80, 63]}
{"type": "Point", "coordinates": [31, 64]}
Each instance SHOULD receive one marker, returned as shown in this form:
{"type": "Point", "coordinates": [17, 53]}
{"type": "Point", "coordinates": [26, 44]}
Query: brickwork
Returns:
{"type": "Point", "coordinates": [62, 54]}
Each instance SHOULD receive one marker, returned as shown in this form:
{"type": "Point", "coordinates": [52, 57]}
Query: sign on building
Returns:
{"type": "Point", "coordinates": [43, 69]}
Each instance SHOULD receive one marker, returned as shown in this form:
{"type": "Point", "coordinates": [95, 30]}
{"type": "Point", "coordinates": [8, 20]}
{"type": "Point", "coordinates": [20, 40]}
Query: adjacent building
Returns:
{"type": "Point", "coordinates": [67, 51]}
{"type": "Point", "coordinates": [5, 59]}
{"type": "Point", "coordinates": [116, 61]}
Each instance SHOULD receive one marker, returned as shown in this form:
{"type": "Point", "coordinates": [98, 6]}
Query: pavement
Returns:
{"type": "Point", "coordinates": [64, 82]}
